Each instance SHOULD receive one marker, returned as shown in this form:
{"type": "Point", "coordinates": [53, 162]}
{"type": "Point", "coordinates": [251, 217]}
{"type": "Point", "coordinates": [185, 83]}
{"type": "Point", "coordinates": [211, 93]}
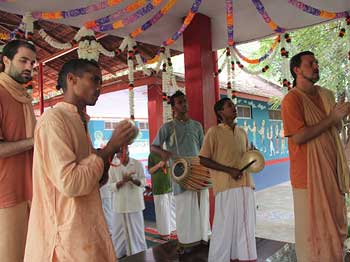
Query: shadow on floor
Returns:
{"type": "Point", "coordinates": [167, 253]}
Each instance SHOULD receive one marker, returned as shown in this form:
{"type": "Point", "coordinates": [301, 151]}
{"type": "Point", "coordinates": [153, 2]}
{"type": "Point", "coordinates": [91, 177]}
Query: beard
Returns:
{"type": "Point", "coordinates": [312, 78]}
{"type": "Point", "coordinates": [20, 77]}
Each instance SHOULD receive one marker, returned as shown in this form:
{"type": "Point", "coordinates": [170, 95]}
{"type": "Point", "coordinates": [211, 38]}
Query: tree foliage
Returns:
{"type": "Point", "coordinates": [330, 50]}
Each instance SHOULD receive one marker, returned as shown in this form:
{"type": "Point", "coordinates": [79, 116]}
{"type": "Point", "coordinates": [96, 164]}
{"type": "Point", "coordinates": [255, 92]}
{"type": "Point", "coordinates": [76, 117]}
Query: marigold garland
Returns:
{"type": "Point", "coordinates": [262, 58]}
{"type": "Point", "coordinates": [154, 19]}
{"type": "Point", "coordinates": [116, 15]}
{"type": "Point", "coordinates": [76, 11]}
{"type": "Point", "coordinates": [229, 21]}
{"type": "Point", "coordinates": [317, 12]}
{"type": "Point", "coordinates": [193, 11]}
{"type": "Point", "coordinates": [261, 9]}
{"type": "Point", "coordinates": [130, 19]}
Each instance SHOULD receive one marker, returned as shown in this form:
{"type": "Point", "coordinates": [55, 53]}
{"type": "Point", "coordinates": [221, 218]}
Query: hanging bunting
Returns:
{"type": "Point", "coordinates": [193, 11]}
{"type": "Point", "coordinates": [154, 19]}
{"type": "Point", "coordinates": [261, 9]}
{"type": "Point", "coordinates": [229, 21]}
{"type": "Point", "coordinates": [77, 11]}
{"type": "Point", "coordinates": [263, 57]}
{"type": "Point", "coordinates": [317, 12]}
{"type": "Point", "coordinates": [116, 15]}
{"type": "Point", "coordinates": [128, 20]}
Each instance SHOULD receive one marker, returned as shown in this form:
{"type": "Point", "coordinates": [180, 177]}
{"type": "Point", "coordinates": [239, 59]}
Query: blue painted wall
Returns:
{"type": "Point", "coordinates": [265, 134]}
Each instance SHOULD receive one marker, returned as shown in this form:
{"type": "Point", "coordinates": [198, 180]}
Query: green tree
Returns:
{"type": "Point", "coordinates": [330, 50]}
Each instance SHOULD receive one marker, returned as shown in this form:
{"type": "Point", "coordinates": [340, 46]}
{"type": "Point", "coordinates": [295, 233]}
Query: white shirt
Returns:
{"type": "Point", "coordinates": [128, 198]}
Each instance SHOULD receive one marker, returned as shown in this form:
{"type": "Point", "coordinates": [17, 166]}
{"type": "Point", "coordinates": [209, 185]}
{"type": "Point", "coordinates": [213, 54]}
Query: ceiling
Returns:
{"type": "Point", "coordinates": [64, 33]}
{"type": "Point", "coordinates": [248, 26]}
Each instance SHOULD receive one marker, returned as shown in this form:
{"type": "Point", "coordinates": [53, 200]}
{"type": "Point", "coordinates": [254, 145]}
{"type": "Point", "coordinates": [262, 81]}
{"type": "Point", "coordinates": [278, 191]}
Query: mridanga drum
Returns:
{"type": "Point", "coordinates": [190, 174]}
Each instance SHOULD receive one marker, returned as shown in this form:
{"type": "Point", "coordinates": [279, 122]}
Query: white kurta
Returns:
{"type": "Point", "coordinates": [128, 225]}
{"type": "Point", "coordinates": [233, 237]}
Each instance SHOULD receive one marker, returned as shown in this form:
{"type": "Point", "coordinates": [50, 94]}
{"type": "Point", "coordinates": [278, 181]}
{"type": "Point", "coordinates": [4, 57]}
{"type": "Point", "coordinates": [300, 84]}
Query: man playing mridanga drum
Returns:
{"type": "Point", "coordinates": [183, 137]}
{"type": "Point", "coordinates": [224, 145]}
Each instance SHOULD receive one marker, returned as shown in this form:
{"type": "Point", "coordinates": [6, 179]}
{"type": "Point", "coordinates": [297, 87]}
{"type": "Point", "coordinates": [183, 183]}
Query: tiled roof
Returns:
{"type": "Point", "coordinates": [254, 85]}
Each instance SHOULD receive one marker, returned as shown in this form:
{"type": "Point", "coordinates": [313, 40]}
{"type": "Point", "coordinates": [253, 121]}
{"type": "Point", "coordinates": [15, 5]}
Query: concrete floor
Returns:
{"type": "Point", "coordinates": [274, 214]}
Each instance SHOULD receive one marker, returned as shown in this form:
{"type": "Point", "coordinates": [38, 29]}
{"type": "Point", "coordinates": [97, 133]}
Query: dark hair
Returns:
{"type": "Point", "coordinates": [219, 105]}
{"type": "Point", "coordinates": [178, 93]}
{"type": "Point", "coordinates": [75, 66]}
{"type": "Point", "coordinates": [11, 49]}
{"type": "Point", "coordinates": [295, 61]}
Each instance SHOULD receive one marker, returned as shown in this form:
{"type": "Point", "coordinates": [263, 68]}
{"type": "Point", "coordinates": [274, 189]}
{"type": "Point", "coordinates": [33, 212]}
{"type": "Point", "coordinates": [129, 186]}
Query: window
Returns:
{"type": "Point", "coordinates": [275, 114]}
{"type": "Point", "coordinates": [244, 112]}
{"type": "Point", "coordinates": [110, 125]}
{"type": "Point", "coordinates": [143, 125]}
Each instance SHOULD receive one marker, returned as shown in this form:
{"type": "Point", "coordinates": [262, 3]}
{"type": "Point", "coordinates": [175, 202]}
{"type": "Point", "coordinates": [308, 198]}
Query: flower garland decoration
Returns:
{"type": "Point", "coordinates": [191, 13]}
{"type": "Point", "coordinates": [25, 29]}
{"type": "Point", "coordinates": [92, 24]}
{"type": "Point", "coordinates": [165, 86]}
{"type": "Point", "coordinates": [5, 36]}
{"type": "Point", "coordinates": [317, 12]}
{"type": "Point", "coordinates": [88, 47]}
{"type": "Point", "coordinates": [262, 58]}
{"type": "Point", "coordinates": [230, 67]}
{"type": "Point", "coordinates": [261, 9]}
{"type": "Point", "coordinates": [168, 80]}
{"type": "Point", "coordinates": [52, 42]}
{"type": "Point", "coordinates": [222, 65]}
{"type": "Point", "coordinates": [254, 72]}
{"type": "Point", "coordinates": [130, 19]}
{"type": "Point", "coordinates": [164, 10]}
{"type": "Point", "coordinates": [77, 11]}
{"type": "Point", "coordinates": [130, 44]}
{"type": "Point", "coordinates": [286, 84]}
{"type": "Point", "coordinates": [229, 21]}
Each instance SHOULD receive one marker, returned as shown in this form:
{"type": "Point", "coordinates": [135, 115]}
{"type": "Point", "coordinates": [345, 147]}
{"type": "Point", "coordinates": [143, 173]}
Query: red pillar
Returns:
{"type": "Point", "coordinates": [155, 109]}
{"type": "Point", "coordinates": [199, 71]}
{"type": "Point", "coordinates": [201, 90]}
{"type": "Point", "coordinates": [41, 88]}
{"type": "Point", "coordinates": [216, 78]}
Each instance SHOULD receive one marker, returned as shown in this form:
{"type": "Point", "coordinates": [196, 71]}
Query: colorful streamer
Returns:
{"type": "Point", "coordinates": [117, 14]}
{"type": "Point", "coordinates": [193, 11]}
{"type": "Point", "coordinates": [230, 21]}
{"type": "Point", "coordinates": [261, 9]}
{"type": "Point", "coordinates": [130, 19]}
{"type": "Point", "coordinates": [154, 19]}
{"type": "Point", "coordinates": [77, 11]}
{"type": "Point", "coordinates": [262, 58]}
{"type": "Point", "coordinates": [317, 12]}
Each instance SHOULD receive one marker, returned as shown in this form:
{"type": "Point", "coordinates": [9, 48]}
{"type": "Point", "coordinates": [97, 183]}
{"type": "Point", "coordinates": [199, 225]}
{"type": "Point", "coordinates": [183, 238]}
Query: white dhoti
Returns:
{"type": "Point", "coordinates": [233, 235]}
{"type": "Point", "coordinates": [164, 206]}
{"type": "Point", "coordinates": [107, 206]}
{"type": "Point", "coordinates": [128, 233]}
{"type": "Point", "coordinates": [192, 217]}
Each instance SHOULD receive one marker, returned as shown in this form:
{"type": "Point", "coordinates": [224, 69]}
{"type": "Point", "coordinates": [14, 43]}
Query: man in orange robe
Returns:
{"type": "Point", "coordinates": [318, 169]}
{"type": "Point", "coordinates": [66, 221]}
{"type": "Point", "coordinates": [17, 122]}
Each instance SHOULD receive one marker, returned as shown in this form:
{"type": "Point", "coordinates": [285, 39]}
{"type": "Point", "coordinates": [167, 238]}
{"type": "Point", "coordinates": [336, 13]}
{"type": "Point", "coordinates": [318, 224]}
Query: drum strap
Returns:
{"type": "Point", "coordinates": [175, 137]}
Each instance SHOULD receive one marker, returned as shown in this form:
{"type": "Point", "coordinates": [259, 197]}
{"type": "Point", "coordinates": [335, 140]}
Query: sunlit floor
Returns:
{"type": "Point", "coordinates": [274, 214]}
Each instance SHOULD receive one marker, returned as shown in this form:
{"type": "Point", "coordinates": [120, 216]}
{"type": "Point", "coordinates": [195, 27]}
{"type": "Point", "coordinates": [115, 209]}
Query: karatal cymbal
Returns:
{"type": "Point", "coordinates": [253, 156]}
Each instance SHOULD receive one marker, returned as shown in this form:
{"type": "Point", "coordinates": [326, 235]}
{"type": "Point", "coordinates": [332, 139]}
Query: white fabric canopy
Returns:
{"type": "Point", "coordinates": [249, 25]}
